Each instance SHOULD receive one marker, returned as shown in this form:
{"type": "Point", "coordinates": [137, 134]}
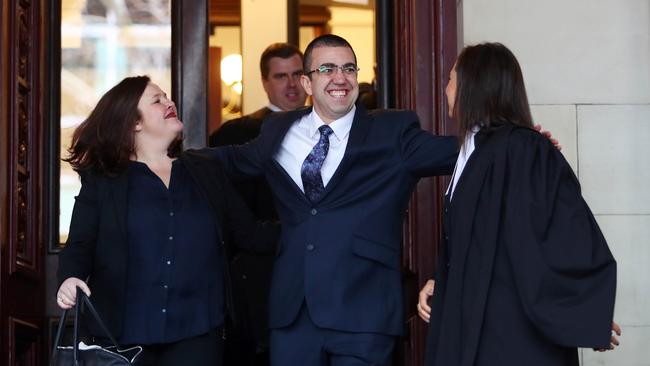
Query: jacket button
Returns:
{"type": "Point", "coordinates": [446, 238]}
{"type": "Point", "coordinates": [314, 211]}
{"type": "Point", "coordinates": [310, 247]}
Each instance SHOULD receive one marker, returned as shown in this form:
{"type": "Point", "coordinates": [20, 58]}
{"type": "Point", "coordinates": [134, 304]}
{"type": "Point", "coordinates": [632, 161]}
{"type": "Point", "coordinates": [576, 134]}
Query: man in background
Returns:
{"type": "Point", "coordinates": [281, 68]}
{"type": "Point", "coordinates": [247, 341]}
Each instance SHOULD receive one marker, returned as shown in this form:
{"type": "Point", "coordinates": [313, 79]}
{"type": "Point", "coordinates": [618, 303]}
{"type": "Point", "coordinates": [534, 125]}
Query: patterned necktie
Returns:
{"type": "Point", "coordinates": [310, 172]}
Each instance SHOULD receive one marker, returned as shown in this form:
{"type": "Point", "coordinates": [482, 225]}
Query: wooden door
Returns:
{"type": "Point", "coordinates": [22, 215]}
{"type": "Point", "coordinates": [416, 48]}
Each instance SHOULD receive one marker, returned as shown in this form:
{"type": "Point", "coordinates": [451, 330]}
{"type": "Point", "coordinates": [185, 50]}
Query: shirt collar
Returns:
{"type": "Point", "coordinates": [341, 126]}
{"type": "Point", "coordinates": [274, 108]}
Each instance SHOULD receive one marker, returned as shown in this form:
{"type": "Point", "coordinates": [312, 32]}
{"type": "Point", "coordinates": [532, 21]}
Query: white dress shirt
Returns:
{"type": "Point", "coordinates": [463, 156]}
{"type": "Point", "coordinates": [301, 138]}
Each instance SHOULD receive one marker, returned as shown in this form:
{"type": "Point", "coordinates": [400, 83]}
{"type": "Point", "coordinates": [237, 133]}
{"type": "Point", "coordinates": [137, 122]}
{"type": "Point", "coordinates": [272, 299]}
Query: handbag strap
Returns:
{"type": "Point", "coordinates": [57, 339]}
{"type": "Point", "coordinates": [95, 315]}
{"type": "Point", "coordinates": [82, 300]}
{"type": "Point", "coordinates": [75, 331]}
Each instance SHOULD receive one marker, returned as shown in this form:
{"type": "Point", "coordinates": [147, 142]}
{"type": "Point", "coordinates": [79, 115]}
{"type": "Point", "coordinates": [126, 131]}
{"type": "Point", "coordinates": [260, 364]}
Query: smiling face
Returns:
{"type": "Point", "coordinates": [282, 85]}
{"type": "Point", "coordinates": [159, 122]}
{"type": "Point", "coordinates": [333, 95]}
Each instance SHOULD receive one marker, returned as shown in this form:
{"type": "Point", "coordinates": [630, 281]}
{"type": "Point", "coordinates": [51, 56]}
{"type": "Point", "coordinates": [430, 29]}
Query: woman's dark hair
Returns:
{"type": "Point", "coordinates": [490, 89]}
{"type": "Point", "coordinates": [105, 141]}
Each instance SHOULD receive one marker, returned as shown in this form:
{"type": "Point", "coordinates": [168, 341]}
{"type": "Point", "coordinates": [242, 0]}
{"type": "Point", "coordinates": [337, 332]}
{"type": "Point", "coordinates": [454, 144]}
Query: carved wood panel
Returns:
{"type": "Point", "coordinates": [24, 343]}
{"type": "Point", "coordinates": [24, 126]}
{"type": "Point", "coordinates": [21, 190]}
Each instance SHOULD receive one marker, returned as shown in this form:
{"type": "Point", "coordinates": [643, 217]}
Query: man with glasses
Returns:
{"type": "Point", "coordinates": [247, 341]}
{"type": "Point", "coordinates": [342, 178]}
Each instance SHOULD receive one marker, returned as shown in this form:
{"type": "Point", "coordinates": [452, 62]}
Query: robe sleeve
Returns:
{"type": "Point", "coordinates": [564, 272]}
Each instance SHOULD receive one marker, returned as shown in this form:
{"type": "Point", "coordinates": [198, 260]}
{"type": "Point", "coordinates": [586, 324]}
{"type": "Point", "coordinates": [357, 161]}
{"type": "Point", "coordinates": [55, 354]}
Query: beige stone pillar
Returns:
{"type": "Point", "coordinates": [262, 22]}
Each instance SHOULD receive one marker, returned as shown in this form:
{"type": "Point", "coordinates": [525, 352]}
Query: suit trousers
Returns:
{"type": "Point", "coordinates": [306, 344]}
{"type": "Point", "coordinates": [202, 350]}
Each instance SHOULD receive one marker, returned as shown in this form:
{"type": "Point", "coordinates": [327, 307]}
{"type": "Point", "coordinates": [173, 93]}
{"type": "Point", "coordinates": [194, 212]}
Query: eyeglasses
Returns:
{"type": "Point", "coordinates": [330, 69]}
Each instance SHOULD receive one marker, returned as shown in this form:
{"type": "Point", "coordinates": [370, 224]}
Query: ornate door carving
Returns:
{"type": "Point", "coordinates": [21, 200]}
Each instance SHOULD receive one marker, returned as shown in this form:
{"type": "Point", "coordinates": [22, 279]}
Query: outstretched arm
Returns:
{"type": "Point", "coordinates": [425, 154]}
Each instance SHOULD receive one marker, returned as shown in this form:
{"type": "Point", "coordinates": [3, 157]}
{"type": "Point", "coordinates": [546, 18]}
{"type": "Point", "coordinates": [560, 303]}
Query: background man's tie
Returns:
{"type": "Point", "coordinates": [312, 181]}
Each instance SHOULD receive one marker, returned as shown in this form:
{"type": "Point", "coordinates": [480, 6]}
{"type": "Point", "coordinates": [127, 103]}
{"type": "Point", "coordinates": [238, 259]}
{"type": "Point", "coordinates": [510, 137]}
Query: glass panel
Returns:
{"type": "Point", "coordinates": [101, 43]}
{"type": "Point", "coordinates": [227, 39]}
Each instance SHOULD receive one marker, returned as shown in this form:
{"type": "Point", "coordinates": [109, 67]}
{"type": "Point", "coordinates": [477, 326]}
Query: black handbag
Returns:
{"type": "Point", "coordinates": [92, 355]}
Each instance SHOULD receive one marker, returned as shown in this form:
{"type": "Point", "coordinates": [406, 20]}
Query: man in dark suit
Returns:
{"type": "Point", "coordinates": [281, 68]}
{"type": "Point", "coordinates": [247, 342]}
{"type": "Point", "coordinates": [341, 178]}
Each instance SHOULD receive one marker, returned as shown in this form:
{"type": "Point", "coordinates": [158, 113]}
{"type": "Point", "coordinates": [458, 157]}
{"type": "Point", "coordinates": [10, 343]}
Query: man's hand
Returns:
{"type": "Point", "coordinates": [67, 294]}
{"type": "Point", "coordinates": [548, 135]}
{"type": "Point", "coordinates": [424, 310]}
{"type": "Point", "coordinates": [614, 341]}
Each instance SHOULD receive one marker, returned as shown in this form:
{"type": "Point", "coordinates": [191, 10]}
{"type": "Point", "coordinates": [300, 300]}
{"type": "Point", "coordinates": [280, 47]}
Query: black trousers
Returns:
{"type": "Point", "coordinates": [243, 351]}
{"type": "Point", "coordinates": [203, 350]}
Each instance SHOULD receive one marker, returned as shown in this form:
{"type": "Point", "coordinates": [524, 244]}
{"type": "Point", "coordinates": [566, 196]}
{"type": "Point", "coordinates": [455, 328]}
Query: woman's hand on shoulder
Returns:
{"type": "Point", "coordinates": [67, 294]}
{"type": "Point", "coordinates": [548, 135]}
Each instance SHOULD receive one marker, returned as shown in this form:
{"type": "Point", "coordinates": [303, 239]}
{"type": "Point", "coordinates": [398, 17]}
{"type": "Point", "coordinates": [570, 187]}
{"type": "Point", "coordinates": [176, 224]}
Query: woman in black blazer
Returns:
{"type": "Point", "coordinates": [148, 228]}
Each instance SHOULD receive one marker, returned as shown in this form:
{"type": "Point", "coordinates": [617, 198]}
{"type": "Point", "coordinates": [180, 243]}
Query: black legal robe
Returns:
{"type": "Point", "coordinates": [525, 275]}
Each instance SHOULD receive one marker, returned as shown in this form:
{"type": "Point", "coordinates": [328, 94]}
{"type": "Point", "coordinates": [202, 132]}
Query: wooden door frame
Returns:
{"type": "Point", "coordinates": [417, 44]}
{"type": "Point", "coordinates": [22, 235]}
{"type": "Point", "coordinates": [190, 33]}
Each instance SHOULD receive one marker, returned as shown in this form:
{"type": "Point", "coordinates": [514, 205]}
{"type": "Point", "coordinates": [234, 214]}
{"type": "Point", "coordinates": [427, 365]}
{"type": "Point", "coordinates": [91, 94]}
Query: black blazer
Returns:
{"type": "Point", "coordinates": [97, 244]}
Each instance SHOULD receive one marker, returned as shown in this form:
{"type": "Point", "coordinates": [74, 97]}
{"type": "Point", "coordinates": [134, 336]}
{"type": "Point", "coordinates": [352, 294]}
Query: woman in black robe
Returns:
{"type": "Point", "coordinates": [524, 275]}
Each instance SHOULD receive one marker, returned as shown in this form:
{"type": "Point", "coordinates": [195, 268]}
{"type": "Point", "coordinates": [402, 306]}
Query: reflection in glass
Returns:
{"type": "Point", "coordinates": [101, 43]}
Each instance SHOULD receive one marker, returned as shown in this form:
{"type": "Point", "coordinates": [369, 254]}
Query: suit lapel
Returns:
{"type": "Point", "coordinates": [358, 132]}
{"type": "Point", "coordinates": [286, 121]}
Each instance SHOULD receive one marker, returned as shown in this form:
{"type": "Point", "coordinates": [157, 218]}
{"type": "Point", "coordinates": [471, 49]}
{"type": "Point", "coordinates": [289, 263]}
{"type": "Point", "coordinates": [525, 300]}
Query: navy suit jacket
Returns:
{"type": "Point", "coordinates": [341, 255]}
